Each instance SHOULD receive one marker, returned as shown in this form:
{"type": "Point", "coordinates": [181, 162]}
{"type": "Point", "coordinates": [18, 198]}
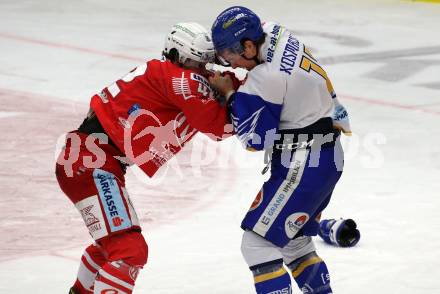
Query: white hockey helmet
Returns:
{"type": "Point", "coordinates": [191, 41]}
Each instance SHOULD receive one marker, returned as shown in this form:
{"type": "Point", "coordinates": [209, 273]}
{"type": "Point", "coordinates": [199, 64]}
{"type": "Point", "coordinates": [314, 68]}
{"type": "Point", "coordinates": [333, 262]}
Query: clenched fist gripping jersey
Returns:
{"type": "Point", "coordinates": [151, 112]}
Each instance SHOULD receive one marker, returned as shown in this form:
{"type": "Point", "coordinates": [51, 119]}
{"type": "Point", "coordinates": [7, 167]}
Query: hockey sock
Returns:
{"type": "Point", "coordinates": [116, 277]}
{"type": "Point", "coordinates": [271, 278]}
{"type": "Point", "coordinates": [127, 253]}
{"type": "Point", "coordinates": [91, 261]}
{"type": "Point", "coordinates": [311, 274]}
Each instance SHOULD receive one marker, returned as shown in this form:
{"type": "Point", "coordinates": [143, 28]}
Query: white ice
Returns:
{"type": "Point", "coordinates": [384, 60]}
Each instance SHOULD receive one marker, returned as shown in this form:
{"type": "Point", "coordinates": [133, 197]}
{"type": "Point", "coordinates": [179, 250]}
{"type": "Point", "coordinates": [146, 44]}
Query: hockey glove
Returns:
{"type": "Point", "coordinates": [340, 118]}
{"type": "Point", "coordinates": [224, 85]}
{"type": "Point", "coordinates": [342, 232]}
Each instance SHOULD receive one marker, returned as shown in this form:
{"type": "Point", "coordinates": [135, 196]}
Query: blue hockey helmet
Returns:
{"type": "Point", "coordinates": [234, 25]}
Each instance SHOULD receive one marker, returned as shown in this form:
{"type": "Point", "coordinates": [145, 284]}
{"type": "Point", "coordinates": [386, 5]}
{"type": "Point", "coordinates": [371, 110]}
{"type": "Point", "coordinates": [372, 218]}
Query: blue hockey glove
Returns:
{"type": "Point", "coordinates": [342, 232]}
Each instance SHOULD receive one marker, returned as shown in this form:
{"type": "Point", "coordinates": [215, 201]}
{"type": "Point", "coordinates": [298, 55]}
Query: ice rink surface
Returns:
{"type": "Point", "coordinates": [384, 60]}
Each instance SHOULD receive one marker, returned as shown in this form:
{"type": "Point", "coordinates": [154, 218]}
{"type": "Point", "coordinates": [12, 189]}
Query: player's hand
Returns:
{"type": "Point", "coordinates": [235, 81]}
{"type": "Point", "coordinates": [223, 84]}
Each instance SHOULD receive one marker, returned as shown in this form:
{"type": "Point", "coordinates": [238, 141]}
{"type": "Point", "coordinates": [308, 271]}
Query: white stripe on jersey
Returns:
{"type": "Point", "coordinates": [133, 215]}
{"type": "Point", "coordinates": [284, 192]}
{"type": "Point", "coordinates": [115, 279]}
{"type": "Point", "coordinates": [90, 261]}
{"type": "Point", "coordinates": [85, 276]}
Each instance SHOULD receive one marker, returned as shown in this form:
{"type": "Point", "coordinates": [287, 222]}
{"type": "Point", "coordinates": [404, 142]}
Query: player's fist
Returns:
{"type": "Point", "coordinates": [236, 83]}
{"type": "Point", "coordinates": [342, 232]}
{"type": "Point", "coordinates": [223, 84]}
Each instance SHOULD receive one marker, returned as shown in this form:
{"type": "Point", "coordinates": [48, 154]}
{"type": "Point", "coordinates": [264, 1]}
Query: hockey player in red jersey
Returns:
{"type": "Point", "coordinates": [144, 119]}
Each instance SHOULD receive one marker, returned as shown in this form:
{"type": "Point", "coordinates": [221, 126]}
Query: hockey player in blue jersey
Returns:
{"type": "Point", "coordinates": [286, 105]}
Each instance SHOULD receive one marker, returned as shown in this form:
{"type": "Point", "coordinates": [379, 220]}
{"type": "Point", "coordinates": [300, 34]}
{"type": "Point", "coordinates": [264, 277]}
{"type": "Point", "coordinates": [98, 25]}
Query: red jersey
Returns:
{"type": "Point", "coordinates": [155, 109]}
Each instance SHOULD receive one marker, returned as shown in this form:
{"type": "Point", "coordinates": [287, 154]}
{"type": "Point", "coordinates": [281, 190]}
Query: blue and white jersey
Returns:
{"type": "Point", "coordinates": [288, 90]}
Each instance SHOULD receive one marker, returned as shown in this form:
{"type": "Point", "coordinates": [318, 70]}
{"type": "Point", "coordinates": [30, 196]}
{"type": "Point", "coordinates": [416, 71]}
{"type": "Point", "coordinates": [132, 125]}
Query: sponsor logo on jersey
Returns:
{"type": "Point", "coordinates": [93, 216]}
{"type": "Point", "coordinates": [257, 200]}
{"type": "Point", "coordinates": [117, 221]}
{"type": "Point", "coordinates": [290, 54]}
{"type": "Point", "coordinates": [204, 86]}
{"type": "Point", "coordinates": [274, 37]}
{"type": "Point", "coordinates": [107, 193]}
{"type": "Point", "coordinates": [200, 79]}
{"type": "Point", "coordinates": [88, 217]}
{"type": "Point", "coordinates": [282, 195]}
{"type": "Point", "coordinates": [293, 176]}
{"type": "Point", "coordinates": [112, 201]}
{"type": "Point", "coordinates": [295, 222]}
{"type": "Point", "coordinates": [273, 209]}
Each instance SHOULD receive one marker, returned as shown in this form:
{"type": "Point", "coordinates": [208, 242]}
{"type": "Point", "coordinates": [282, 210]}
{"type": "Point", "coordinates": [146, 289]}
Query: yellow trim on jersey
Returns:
{"type": "Point", "coordinates": [340, 128]}
{"type": "Point", "coordinates": [309, 53]}
{"type": "Point", "coordinates": [302, 266]}
{"type": "Point", "coordinates": [269, 276]}
{"type": "Point", "coordinates": [307, 64]}
{"type": "Point", "coordinates": [252, 149]}
{"type": "Point", "coordinates": [278, 37]}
